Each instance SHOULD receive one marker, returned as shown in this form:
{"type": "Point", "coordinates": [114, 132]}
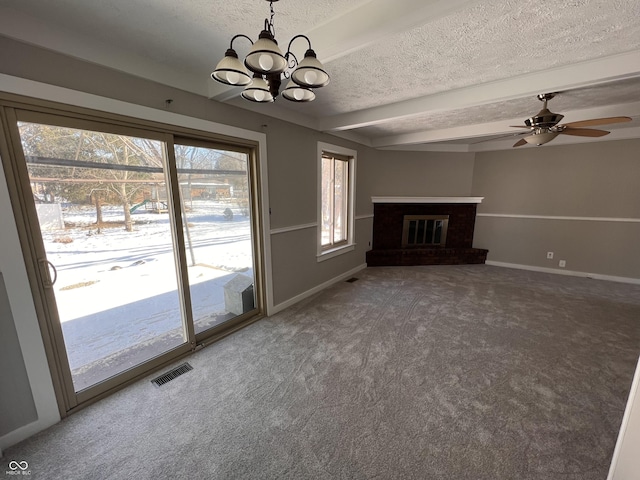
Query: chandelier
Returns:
{"type": "Point", "coordinates": [269, 67]}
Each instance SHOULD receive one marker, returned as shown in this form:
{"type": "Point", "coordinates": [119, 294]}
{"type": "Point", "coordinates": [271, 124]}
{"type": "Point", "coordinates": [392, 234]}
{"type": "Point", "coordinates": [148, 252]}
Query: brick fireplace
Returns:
{"type": "Point", "coordinates": [440, 229]}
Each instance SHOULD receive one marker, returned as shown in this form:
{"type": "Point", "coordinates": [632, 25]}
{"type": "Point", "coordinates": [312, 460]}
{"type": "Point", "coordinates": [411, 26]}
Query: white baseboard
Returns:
{"type": "Point", "coordinates": [572, 273]}
{"type": "Point", "coordinates": [316, 289]}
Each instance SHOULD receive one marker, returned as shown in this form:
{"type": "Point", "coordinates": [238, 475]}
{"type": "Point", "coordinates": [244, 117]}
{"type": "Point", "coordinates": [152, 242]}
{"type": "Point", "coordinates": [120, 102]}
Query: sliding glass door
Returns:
{"type": "Point", "coordinates": [144, 243]}
{"type": "Point", "coordinates": [216, 205]}
{"type": "Point", "coordinates": [104, 215]}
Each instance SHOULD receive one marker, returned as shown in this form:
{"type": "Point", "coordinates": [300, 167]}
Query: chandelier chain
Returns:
{"type": "Point", "coordinates": [273, 13]}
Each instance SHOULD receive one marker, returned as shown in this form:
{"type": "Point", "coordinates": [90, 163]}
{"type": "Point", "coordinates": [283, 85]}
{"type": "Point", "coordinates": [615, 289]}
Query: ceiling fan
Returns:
{"type": "Point", "coordinates": [544, 126]}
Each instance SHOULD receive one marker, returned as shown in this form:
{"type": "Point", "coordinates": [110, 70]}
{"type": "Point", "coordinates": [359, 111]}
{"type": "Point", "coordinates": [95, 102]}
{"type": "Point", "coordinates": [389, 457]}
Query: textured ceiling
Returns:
{"type": "Point", "coordinates": [403, 73]}
{"type": "Point", "coordinates": [493, 40]}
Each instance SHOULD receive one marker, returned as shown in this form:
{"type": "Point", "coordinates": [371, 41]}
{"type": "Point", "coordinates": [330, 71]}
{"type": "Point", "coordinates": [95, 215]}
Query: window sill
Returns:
{"type": "Point", "coordinates": [334, 252]}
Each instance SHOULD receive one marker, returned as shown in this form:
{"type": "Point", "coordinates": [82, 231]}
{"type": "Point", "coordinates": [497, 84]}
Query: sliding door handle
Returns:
{"type": "Point", "coordinates": [55, 273]}
{"type": "Point", "coordinates": [46, 272]}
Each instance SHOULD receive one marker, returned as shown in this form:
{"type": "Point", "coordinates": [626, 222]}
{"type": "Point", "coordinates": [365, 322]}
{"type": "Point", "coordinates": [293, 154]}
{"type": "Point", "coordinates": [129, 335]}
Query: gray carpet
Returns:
{"type": "Point", "coordinates": [452, 372]}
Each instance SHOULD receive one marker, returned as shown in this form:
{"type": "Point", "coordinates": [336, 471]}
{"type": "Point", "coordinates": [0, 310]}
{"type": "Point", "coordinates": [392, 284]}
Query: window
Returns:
{"type": "Point", "coordinates": [336, 172]}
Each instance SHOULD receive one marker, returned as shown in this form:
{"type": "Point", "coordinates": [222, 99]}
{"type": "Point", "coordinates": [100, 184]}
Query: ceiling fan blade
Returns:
{"type": "Point", "coordinates": [584, 132]}
{"type": "Point", "coordinates": [598, 121]}
{"type": "Point", "coordinates": [520, 142]}
{"type": "Point", "coordinates": [494, 139]}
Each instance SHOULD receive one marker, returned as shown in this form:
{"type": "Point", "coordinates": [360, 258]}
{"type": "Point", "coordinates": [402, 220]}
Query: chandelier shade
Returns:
{"type": "Point", "coordinates": [258, 91]}
{"type": "Point", "coordinates": [231, 71]}
{"type": "Point", "coordinates": [297, 93]}
{"type": "Point", "coordinates": [310, 72]}
{"type": "Point", "coordinates": [270, 67]}
{"type": "Point", "coordinates": [265, 56]}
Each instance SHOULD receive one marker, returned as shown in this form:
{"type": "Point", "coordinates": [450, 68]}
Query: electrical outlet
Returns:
{"type": "Point", "coordinates": [550, 255]}
{"type": "Point", "coordinates": [562, 263]}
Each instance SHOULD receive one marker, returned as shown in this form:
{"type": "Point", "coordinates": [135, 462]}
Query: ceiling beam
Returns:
{"type": "Point", "coordinates": [431, 147]}
{"type": "Point", "coordinates": [578, 75]}
{"type": "Point", "coordinates": [445, 134]}
{"type": "Point", "coordinates": [369, 22]}
{"type": "Point", "coordinates": [500, 127]}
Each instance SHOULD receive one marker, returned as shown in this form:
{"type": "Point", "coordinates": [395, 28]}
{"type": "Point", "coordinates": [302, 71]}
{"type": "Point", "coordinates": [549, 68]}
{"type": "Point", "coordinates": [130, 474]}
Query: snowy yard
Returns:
{"type": "Point", "coordinates": [117, 290]}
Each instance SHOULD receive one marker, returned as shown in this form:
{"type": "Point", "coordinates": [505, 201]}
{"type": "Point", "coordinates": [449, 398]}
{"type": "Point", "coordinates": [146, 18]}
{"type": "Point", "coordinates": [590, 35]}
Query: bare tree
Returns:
{"type": "Point", "coordinates": [92, 167]}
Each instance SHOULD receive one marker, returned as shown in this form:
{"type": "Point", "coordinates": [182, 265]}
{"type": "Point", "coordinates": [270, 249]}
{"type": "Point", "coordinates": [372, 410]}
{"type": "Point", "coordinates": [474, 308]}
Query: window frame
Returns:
{"type": "Point", "coordinates": [343, 154]}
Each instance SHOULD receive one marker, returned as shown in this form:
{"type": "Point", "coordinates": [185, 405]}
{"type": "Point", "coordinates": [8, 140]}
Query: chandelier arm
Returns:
{"type": "Point", "coordinates": [293, 63]}
{"type": "Point", "coordinates": [298, 36]}
{"type": "Point", "coordinates": [237, 36]}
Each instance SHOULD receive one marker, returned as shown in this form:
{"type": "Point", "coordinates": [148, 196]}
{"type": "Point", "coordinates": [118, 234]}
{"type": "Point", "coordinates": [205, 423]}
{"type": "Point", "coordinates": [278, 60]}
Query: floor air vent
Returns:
{"type": "Point", "coordinates": [171, 374]}
{"type": "Point", "coordinates": [352, 279]}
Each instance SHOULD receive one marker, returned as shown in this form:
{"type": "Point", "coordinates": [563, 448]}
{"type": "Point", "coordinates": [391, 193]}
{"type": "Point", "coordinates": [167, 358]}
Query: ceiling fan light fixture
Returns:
{"type": "Point", "coordinates": [231, 71]}
{"type": "Point", "coordinates": [297, 93]}
{"type": "Point", "coordinates": [310, 72]}
{"type": "Point", "coordinates": [258, 91]}
{"type": "Point", "coordinates": [541, 138]}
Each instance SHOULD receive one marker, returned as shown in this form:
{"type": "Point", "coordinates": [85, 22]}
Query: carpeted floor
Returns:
{"type": "Point", "coordinates": [451, 372]}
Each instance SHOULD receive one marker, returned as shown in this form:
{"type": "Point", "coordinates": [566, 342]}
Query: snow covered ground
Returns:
{"type": "Point", "coordinates": [117, 290]}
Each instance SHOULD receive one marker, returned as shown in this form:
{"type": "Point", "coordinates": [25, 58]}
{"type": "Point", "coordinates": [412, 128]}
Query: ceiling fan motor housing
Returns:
{"type": "Point", "coordinates": [544, 119]}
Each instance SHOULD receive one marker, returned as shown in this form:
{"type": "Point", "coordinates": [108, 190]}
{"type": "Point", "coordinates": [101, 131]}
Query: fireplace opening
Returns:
{"type": "Point", "coordinates": [425, 230]}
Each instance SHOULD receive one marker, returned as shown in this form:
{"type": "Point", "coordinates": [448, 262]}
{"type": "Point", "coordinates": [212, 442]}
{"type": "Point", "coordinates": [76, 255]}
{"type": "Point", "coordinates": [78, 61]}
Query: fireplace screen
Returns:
{"type": "Point", "coordinates": [424, 230]}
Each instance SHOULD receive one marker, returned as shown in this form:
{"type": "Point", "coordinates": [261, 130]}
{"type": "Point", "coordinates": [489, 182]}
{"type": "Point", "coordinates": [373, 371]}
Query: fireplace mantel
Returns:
{"type": "Point", "coordinates": [427, 199]}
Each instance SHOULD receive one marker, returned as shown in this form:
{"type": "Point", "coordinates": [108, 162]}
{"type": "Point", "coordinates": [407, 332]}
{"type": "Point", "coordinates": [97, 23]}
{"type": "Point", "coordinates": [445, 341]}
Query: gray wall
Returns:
{"type": "Point", "coordinates": [600, 180]}
{"type": "Point", "coordinates": [17, 407]}
{"type": "Point", "coordinates": [430, 174]}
